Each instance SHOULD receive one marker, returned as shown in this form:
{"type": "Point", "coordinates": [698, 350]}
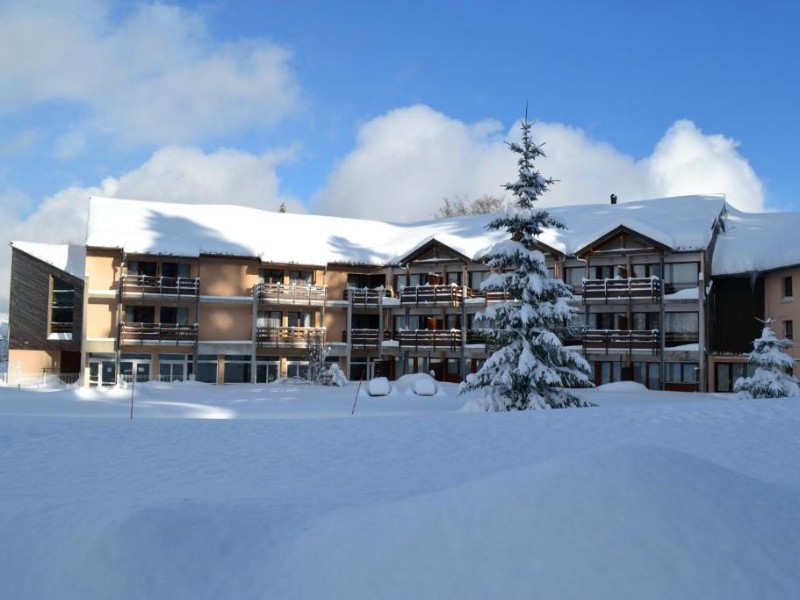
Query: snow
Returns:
{"type": "Point", "coordinates": [378, 386]}
{"type": "Point", "coordinates": [748, 243]}
{"type": "Point", "coordinates": [684, 294]}
{"type": "Point", "coordinates": [284, 494]}
{"type": "Point", "coordinates": [683, 223]}
{"type": "Point", "coordinates": [67, 257]}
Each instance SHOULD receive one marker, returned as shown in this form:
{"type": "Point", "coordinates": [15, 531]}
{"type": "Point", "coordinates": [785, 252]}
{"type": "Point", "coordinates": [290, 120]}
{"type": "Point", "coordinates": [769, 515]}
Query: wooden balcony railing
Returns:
{"type": "Point", "coordinates": [366, 296]}
{"type": "Point", "coordinates": [632, 288]}
{"type": "Point", "coordinates": [182, 287]}
{"type": "Point", "coordinates": [429, 338]}
{"type": "Point", "coordinates": [158, 333]}
{"type": "Point", "coordinates": [429, 295]}
{"type": "Point", "coordinates": [365, 338]}
{"type": "Point", "coordinates": [289, 337]}
{"type": "Point", "coordinates": [278, 293]}
{"type": "Point", "coordinates": [621, 340]}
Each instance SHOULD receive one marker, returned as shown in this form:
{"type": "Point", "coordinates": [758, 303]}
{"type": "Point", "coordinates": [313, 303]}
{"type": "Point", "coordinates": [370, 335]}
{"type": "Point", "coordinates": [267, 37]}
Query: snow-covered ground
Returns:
{"type": "Point", "coordinates": [277, 491]}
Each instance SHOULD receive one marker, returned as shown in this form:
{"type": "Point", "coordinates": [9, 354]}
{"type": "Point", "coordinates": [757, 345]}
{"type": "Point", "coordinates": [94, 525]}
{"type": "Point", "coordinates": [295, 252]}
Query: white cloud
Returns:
{"type": "Point", "coordinates": [407, 160]}
{"type": "Point", "coordinates": [151, 76]}
{"type": "Point", "coordinates": [173, 174]}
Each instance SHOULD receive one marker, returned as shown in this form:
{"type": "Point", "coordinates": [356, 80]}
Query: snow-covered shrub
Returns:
{"type": "Point", "coordinates": [378, 386]}
{"type": "Point", "coordinates": [335, 376]}
{"type": "Point", "coordinates": [772, 378]}
{"type": "Point", "coordinates": [425, 386]}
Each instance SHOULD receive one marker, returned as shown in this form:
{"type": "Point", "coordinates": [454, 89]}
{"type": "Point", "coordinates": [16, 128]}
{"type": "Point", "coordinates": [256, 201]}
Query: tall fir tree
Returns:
{"type": "Point", "coordinates": [529, 368]}
{"type": "Point", "coordinates": [771, 378]}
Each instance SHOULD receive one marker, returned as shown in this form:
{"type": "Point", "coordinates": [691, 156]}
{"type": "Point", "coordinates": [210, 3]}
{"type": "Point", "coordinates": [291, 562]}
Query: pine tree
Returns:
{"type": "Point", "coordinates": [529, 367]}
{"type": "Point", "coordinates": [317, 353]}
{"type": "Point", "coordinates": [773, 365]}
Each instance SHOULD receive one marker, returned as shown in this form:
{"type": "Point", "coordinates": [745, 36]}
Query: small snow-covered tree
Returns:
{"type": "Point", "coordinates": [772, 377]}
{"type": "Point", "coordinates": [317, 353]}
{"type": "Point", "coordinates": [529, 368]}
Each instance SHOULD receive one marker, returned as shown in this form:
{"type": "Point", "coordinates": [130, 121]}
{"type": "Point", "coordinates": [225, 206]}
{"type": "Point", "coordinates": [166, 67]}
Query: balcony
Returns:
{"type": "Point", "coordinates": [288, 337]}
{"type": "Point", "coordinates": [632, 288]}
{"type": "Point", "coordinates": [431, 295]}
{"type": "Point", "coordinates": [430, 339]}
{"type": "Point", "coordinates": [294, 294]}
{"type": "Point", "coordinates": [142, 334]}
{"type": "Point", "coordinates": [373, 297]}
{"type": "Point", "coordinates": [176, 287]}
{"type": "Point", "coordinates": [621, 340]}
{"type": "Point", "coordinates": [365, 339]}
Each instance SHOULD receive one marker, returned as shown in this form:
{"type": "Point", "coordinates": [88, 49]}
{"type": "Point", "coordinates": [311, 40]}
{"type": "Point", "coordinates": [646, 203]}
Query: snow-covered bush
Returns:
{"type": "Point", "coordinates": [378, 386]}
{"type": "Point", "coordinates": [772, 378]}
{"type": "Point", "coordinates": [530, 367]}
{"type": "Point", "coordinates": [335, 376]}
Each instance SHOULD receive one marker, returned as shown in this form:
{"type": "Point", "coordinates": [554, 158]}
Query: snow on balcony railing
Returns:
{"type": "Point", "coordinates": [366, 296]}
{"type": "Point", "coordinates": [621, 340]}
{"type": "Point", "coordinates": [429, 338]}
{"type": "Point", "coordinates": [637, 288]}
{"type": "Point", "coordinates": [291, 337]}
{"type": "Point", "coordinates": [279, 293]}
{"type": "Point", "coordinates": [158, 333]}
{"type": "Point", "coordinates": [188, 287]}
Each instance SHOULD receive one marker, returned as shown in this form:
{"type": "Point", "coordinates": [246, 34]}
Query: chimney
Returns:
{"type": "Point", "coordinates": [613, 198]}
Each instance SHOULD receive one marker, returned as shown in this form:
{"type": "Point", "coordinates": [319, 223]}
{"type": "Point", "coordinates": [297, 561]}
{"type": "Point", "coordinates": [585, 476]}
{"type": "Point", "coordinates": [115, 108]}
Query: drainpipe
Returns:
{"type": "Point", "coordinates": [662, 321]}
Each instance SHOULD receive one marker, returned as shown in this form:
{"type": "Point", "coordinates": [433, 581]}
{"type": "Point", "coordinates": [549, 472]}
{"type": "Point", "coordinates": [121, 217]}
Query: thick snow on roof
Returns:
{"type": "Point", "coordinates": [682, 223]}
{"type": "Point", "coordinates": [67, 257]}
{"type": "Point", "coordinates": [756, 242]}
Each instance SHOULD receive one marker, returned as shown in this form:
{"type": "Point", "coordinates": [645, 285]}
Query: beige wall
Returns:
{"type": "Point", "coordinates": [226, 322]}
{"type": "Point", "coordinates": [227, 276]}
{"type": "Point", "coordinates": [103, 268]}
{"type": "Point", "coordinates": [23, 364]}
{"type": "Point", "coordinates": [101, 318]}
{"type": "Point", "coordinates": [784, 309]}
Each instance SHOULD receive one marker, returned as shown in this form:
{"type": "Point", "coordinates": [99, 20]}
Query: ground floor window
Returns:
{"type": "Point", "coordinates": [726, 375]}
{"type": "Point", "coordinates": [237, 368]}
{"type": "Point", "coordinates": [607, 371]}
{"type": "Point", "coordinates": [267, 368]}
{"type": "Point", "coordinates": [297, 366]}
{"type": "Point", "coordinates": [681, 372]}
{"type": "Point", "coordinates": [174, 367]}
{"type": "Point", "coordinates": [135, 367]}
{"type": "Point", "coordinates": [102, 369]}
{"type": "Point", "coordinates": [648, 374]}
{"type": "Point", "coordinates": [206, 368]}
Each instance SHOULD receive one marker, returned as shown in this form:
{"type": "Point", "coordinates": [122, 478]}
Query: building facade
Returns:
{"type": "Point", "coordinates": [173, 292]}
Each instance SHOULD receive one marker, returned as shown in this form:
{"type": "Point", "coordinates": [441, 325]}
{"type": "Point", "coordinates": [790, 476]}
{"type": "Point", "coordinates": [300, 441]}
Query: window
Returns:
{"type": "Point", "coordinates": [454, 277]}
{"type": "Point", "coordinates": [297, 366]}
{"type": "Point", "coordinates": [62, 305]}
{"type": "Point", "coordinates": [174, 315]}
{"type": "Point", "coordinates": [608, 371]}
{"type": "Point", "coordinates": [682, 327]}
{"type": "Point", "coordinates": [453, 322]}
{"type": "Point", "coordinates": [300, 277]}
{"type": "Point", "coordinates": [140, 314]}
{"type": "Point", "coordinates": [680, 276]}
{"type": "Point", "coordinates": [361, 280]}
{"type": "Point", "coordinates": [362, 321]}
{"type": "Point", "coordinates": [271, 275]}
{"type": "Point", "coordinates": [647, 373]}
{"type": "Point", "coordinates": [174, 367]}
{"type": "Point", "coordinates": [206, 368]}
{"type": "Point", "coordinates": [609, 272]}
{"type": "Point", "coordinates": [142, 267]}
{"type": "Point", "coordinates": [135, 367]}
{"type": "Point", "coordinates": [267, 368]}
{"type": "Point", "coordinates": [788, 330]}
{"type": "Point", "coordinates": [610, 320]}
{"type": "Point", "coordinates": [681, 372]}
{"type": "Point", "coordinates": [646, 270]}
{"type": "Point", "coordinates": [728, 373]}
{"type": "Point", "coordinates": [237, 368]}
{"type": "Point", "coordinates": [646, 321]}
{"type": "Point", "coordinates": [270, 318]}
{"type": "Point", "coordinates": [171, 269]}
{"type": "Point", "coordinates": [573, 277]}
{"type": "Point", "coordinates": [476, 278]}
{"type": "Point", "coordinates": [787, 287]}
{"type": "Point", "coordinates": [299, 319]}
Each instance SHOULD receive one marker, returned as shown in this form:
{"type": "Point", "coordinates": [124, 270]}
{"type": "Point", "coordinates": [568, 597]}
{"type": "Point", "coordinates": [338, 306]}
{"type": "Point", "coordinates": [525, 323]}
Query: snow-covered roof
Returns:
{"type": "Point", "coordinates": [755, 242]}
{"type": "Point", "coordinates": [681, 223]}
{"type": "Point", "coordinates": [67, 257]}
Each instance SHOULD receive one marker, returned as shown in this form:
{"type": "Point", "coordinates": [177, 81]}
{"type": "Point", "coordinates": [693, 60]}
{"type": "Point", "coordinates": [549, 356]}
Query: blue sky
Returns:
{"type": "Point", "coordinates": [380, 109]}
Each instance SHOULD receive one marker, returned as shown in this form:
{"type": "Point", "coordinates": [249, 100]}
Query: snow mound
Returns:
{"type": "Point", "coordinates": [625, 387]}
{"type": "Point", "coordinates": [425, 386]}
{"type": "Point", "coordinates": [627, 522]}
{"type": "Point", "coordinates": [378, 386]}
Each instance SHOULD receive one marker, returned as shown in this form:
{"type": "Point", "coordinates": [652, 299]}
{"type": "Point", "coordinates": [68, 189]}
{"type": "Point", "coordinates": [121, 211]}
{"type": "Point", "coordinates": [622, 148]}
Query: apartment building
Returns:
{"type": "Point", "coordinates": [227, 294]}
